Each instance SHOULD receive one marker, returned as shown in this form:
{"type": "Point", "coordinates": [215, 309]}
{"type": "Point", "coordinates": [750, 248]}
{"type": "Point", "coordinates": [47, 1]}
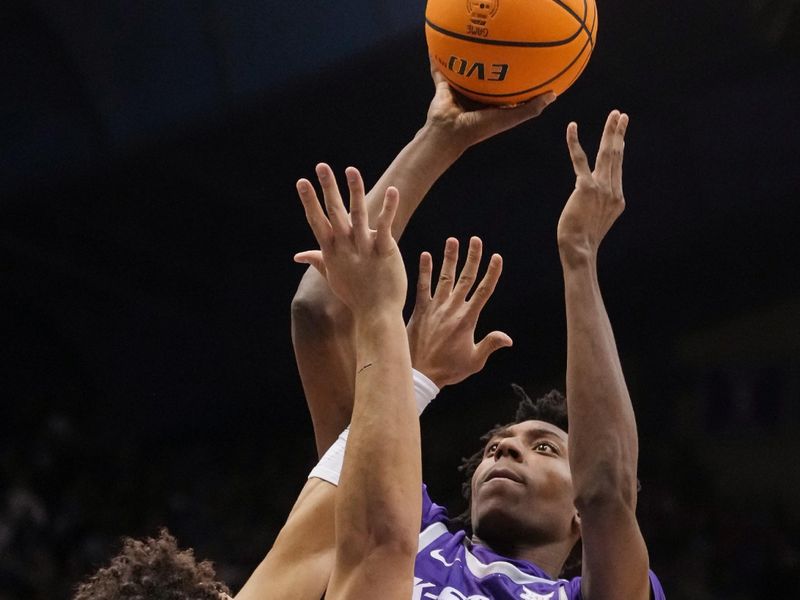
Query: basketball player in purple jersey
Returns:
{"type": "Point", "coordinates": [537, 490]}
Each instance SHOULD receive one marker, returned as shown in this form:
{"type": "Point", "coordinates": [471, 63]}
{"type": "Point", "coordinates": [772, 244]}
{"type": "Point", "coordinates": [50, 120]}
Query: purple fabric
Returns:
{"type": "Point", "coordinates": [450, 567]}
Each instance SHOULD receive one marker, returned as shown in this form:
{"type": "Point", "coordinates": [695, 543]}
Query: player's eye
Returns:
{"type": "Point", "coordinates": [490, 449]}
{"type": "Point", "coordinates": [545, 447]}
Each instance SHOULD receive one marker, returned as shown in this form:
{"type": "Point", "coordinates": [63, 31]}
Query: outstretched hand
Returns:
{"type": "Point", "coordinates": [597, 200]}
{"type": "Point", "coordinates": [469, 127]}
{"type": "Point", "coordinates": [363, 266]}
{"type": "Point", "coordinates": [441, 331]}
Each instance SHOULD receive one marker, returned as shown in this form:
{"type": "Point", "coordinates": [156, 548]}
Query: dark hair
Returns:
{"type": "Point", "coordinates": [153, 569]}
{"type": "Point", "coordinates": [550, 408]}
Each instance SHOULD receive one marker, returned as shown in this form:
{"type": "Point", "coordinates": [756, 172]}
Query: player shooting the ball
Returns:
{"type": "Point", "coordinates": [539, 485]}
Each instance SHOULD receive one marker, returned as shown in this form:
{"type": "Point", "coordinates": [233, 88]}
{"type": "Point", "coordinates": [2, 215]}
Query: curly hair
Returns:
{"type": "Point", "coordinates": [153, 569]}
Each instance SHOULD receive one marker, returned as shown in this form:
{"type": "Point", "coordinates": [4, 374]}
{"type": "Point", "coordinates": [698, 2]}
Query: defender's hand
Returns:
{"type": "Point", "coordinates": [597, 200]}
{"type": "Point", "coordinates": [363, 266]}
{"type": "Point", "coordinates": [441, 332]}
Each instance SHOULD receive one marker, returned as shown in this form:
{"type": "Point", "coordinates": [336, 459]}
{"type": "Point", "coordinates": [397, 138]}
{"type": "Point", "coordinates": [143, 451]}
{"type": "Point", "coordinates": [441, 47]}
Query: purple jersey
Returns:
{"type": "Point", "coordinates": [450, 567]}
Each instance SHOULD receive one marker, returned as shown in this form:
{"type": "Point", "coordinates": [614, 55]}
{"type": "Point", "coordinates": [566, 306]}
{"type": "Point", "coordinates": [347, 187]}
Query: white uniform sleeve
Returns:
{"type": "Point", "coordinates": [329, 466]}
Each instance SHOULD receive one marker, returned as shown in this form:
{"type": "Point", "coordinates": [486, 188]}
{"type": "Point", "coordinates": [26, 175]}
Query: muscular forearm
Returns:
{"type": "Point", "coordinates": [603, 440]}
{"type": "Point", "coordinates": [414, 171]}
{"type": "Point", "coordinates": [325, 355]}
{"type": "Point", "coordinates": [378, 501]}
{"type": "Point", "coordinates": [301, 559]}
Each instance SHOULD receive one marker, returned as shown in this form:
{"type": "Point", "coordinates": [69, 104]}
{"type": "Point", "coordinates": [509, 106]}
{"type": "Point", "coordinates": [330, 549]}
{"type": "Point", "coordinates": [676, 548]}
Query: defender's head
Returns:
{"type": "Point", "coordinates": [154, 569]}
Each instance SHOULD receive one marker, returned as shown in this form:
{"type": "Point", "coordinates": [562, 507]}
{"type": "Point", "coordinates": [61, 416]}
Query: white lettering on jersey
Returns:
{"type": "Point", "coordinates": [419, 587]}
{"type": "Point", "coordinates": [501, 567]}
{"type": "Point", "coordinates": [429, 534]}
{"type": "Point", "coordinates": [437, 554]}
{"type": "Point", "coordinates": [450, 593]}
{"type": "Point", "coordinates": [529, 595]}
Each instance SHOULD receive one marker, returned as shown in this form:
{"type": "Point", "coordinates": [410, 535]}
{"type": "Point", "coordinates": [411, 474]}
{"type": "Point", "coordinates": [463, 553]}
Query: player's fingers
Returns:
{"type": "Point", "coordinates": [579, 161]}
{"type": "Point", "coordinates": [337, 214]}
{"type": "Point", "coordinates": [487, 285]}
{"type": "Point", "coordinates": [315, 216]}
{"type": "Point", "coordinates": [436, 74]}
{"type": "Point", "coordinates": [313, 258]}
{"type": "Point", "coordinates": [424, 279]}
{"type": "Point", "coordinates": [490, 344]}
{"type": "Point", "coordinates": [469, 272]}
{"type": "Point", "coordinates": [619, 152]}
{"type": "Point", "coordinates": [447, 274]}
{"type": "Point", "coordinates": [384, 241]}
{"type": "Point", "coordinates": [358, 207]}
{"type": "Point", "coordinates": [605, 154]}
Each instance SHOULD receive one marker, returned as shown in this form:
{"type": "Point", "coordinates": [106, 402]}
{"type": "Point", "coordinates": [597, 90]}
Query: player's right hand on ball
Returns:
{"type": "Point", "coordinates": [465, 127]}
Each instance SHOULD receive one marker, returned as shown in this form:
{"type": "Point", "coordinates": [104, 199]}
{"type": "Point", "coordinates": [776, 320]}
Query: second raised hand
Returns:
{"type": "Point", "coordinates": [363, 266]}
{"type": "Point", "coordinates": [441, 331]}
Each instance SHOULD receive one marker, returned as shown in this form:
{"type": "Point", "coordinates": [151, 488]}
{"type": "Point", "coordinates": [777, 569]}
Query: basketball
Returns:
{"type": "Point", "coordinates": [507, 51]}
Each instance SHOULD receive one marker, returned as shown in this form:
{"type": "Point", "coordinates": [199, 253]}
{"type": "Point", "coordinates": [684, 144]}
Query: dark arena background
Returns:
{"type": "Point", "coordinates": [148, 218]}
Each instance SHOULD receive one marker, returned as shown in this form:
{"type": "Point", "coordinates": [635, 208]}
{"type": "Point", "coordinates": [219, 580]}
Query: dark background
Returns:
{"type": "Point", "coordinates": [148, 219]}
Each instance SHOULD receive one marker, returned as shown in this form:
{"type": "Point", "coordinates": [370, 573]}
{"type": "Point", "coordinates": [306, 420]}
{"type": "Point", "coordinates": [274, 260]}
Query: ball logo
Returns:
{"type": "Point", "coordinates": [477, 69]}
{"type": "Point", "coordinates": [480, 11]}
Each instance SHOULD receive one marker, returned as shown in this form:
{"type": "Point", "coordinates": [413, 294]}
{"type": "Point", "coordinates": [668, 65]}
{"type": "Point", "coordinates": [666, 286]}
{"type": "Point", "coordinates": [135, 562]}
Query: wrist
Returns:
{"type": "Point", "coordinates": [443, 142]}
{"type": "Point", "coordinates": [378, 316]}
{"type": "Point", "coordinates": [576, 255]}
{"type": "Point", "coordinates": [437, 378]}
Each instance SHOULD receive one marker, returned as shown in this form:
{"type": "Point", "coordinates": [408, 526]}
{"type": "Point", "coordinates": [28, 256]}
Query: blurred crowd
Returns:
{"type": "Point", "coordinates": [65, 502]}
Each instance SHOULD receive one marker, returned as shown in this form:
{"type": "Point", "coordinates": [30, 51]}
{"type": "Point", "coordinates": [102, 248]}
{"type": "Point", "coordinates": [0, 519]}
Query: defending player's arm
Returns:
{"type": "Point", "coordinates": [322, 328]}
{"type": "Point", "coordinates": [299, 564]}
{"type": "Point", "coordinates": [441, 336]}
{"type": "Point", "coordinates": [378, 502]}
{"type": "Point", "coordinates": [603, 441]}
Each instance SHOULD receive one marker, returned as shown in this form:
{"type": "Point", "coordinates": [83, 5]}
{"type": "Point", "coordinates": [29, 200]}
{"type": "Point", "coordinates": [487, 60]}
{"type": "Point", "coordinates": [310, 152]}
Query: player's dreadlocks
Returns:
{"type": "Point", "coordinates": [153, 569]}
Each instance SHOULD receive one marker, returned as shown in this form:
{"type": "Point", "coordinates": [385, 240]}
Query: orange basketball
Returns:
{"type": "Point", "coordinates": [506, 51]}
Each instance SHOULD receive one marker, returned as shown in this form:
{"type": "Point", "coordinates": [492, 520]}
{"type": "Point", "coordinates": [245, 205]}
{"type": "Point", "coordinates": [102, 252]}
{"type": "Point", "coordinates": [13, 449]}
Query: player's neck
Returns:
{"type": "Point", "coordinates": [550, 557]}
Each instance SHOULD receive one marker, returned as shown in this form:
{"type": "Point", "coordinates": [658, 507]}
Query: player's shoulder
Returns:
{"type": "Point", "coordinates": [431, 512]}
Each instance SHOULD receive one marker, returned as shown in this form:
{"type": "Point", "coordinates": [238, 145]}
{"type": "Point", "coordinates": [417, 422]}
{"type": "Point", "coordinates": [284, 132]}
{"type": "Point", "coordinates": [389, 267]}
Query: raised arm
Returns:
{"type": "Point", "coordinates": [378, 502]}
{"type": "Point", "coordinates": [603, 441]}
{"type": "Point", "coordinates": [299, 563]}
{"type": "Point", "coordinates": [441, 336]}
{"type": "Point", "coordinates": [322, 327]}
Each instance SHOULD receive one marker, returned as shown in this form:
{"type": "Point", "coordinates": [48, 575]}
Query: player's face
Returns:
{"type": "Point", "coordinates": [522, 488]}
